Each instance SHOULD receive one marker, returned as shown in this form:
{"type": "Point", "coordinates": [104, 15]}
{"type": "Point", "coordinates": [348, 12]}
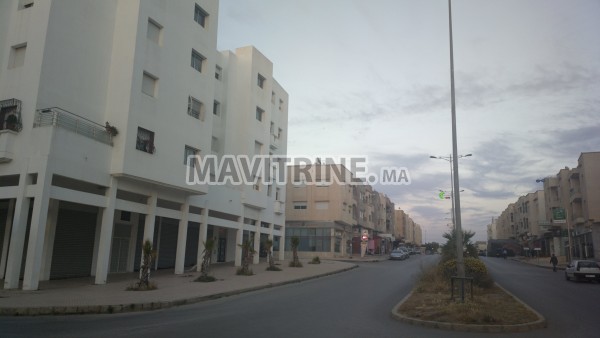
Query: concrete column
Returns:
{"type": "Point", "coordinates": [202, 239]}
{"type": "Point", "coordinates": [37, 231]}
{"type": "Point", "coordinates": [282, 244]}
{"type": "Point", "coordinates": [17, 236]}
{"type": "Point", "coordinates": [50, 234]}
{"type": "Point", "coordinates": [149, 224]}
{"type": "Point", "coordinates": [106, 231]}
{"type": "Point", "coordinates": [182, 237]}
{"type": "Point", "coordinates": [239, 235]}
{"type": "Point", "coordinates": [256, 257]}
{"type": "Point", "coordinates": [7, 230]}
{"type": "Point", "coordinates": [97, 232]}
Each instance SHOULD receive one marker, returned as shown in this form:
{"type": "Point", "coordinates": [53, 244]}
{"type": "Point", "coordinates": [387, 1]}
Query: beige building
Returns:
{"type": "Point", "coordinates": [329, 215]}
{"type": "Point", "coordinates": [407, 231]}
{"type": "Point", "coordinates": [564, 218]}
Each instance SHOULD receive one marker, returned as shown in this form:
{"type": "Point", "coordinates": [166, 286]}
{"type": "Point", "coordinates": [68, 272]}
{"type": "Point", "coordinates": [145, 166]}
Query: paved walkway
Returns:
{"type": "Point", "coordinates": [543, 262]}
{"type": "Point", "coordinates": [81, 295]}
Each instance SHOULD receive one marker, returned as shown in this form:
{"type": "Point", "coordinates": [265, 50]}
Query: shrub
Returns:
{"type": "Point", "coordinates": [205, 279]}
{"type": "Point", "coordinates": [273, 268]}
{"type": "Point", "coordinates": [473, 268]}
{"type": "Point", "coordinates": [315, 260]}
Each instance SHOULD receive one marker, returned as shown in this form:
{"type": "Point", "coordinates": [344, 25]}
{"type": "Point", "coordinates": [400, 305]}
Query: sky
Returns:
{"type": "Point", "coordinates": [372, 77]}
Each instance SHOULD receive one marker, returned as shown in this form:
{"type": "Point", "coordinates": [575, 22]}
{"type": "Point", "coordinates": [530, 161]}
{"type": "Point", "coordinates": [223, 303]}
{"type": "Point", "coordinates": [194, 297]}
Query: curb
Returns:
{"type": "Point", "coordinates": [538, 324]}
{"type": "Point", "coordinates": [135, 307]}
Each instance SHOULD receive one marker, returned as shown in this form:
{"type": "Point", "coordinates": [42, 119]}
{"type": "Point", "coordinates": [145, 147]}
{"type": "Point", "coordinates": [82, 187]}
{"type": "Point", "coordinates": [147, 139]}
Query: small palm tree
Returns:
{"type": "Point", "coordinates": [247, 256]}
{"type": "Point", "coordinates": [295, 242]}
{"type": "Point", "coordinates": [209, 245]}
{"type": "Point", "coordinates": [148, 255]}
{"type": "Point", "coordinates": [449, 249]}
{"type": "Point", "coordinates": [270, 260]}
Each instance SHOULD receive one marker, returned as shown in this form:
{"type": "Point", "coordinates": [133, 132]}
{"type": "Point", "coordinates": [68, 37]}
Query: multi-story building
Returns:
{"type": "Point", "coordinates": [329, 215]}
{"type": "Point", "coordinates": [584, 206]}
{"type": "Point", "coordinates": [99, 115]}
{"type": "Point", "coordinates": [564, 218]}
{"type": "Point", "coordinates": [407, 231]}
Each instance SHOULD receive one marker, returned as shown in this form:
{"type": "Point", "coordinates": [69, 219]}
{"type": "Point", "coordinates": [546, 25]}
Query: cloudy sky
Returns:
{"type": "Point", "coordinates": [372, 77]}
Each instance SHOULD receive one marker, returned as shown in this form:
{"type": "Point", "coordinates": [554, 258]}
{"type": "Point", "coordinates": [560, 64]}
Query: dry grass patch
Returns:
{"type": "Point", "coordinates": [489, 306]}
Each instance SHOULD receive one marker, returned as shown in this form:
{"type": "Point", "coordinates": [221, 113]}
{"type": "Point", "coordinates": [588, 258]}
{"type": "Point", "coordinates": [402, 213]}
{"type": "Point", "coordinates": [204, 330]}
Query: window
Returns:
{"type": "Point", "coordinates": [277, 193]}
{"type": "Point", "coordinates": [257, 185]}
{"type": "Point", "coordinates": [300, 205]}
{"type": "Point", "coordinates": [197, 60]}
{"type": "Point", "coordinates": [261, 81]}
{"type": "Point", "coordinates": [145, 140]}
{"type": "Point", "coordinates": [154, 31]}
{"type": "Point", "coordinates": [259, 114]}
{"type": "Point", "coordinates": [217, 108]}
{"type": "Point", "coordinates": [195, 108]}
{"type": "Point", "coordinates": [17, 56]}
{"type": "Point", "coordinates": [272, 97]}
{"type": "Point", "coordinates": [257, 148]}
{"type": "Point", "coordinates": [269, 190]}
{"type": "Point", "coordinates": [190, 151]}
{"type": "Point", "coordinates": [200, 16]}
{"type": "Point", "coordinates": [149, 84]}
{"type": "Point", "coordinates": [279, 132]}
{"type": "Point", "coordinates": [214, 146]}
{"type": "Point", "coordinates": [322, 205]}
{"type": "Point", "coordinates": [218, 73]}
{"type": "Point", "coordinates": [25, 4]}
{"type": "Point", "coordinates": [280, 104]}
{"type": "Point", "coordinates": [272, 129]}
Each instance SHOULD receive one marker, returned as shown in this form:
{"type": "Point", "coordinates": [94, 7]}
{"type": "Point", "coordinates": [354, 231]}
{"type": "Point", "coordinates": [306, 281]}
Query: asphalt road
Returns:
{"type": "Point", "coordinates": [356, 303]}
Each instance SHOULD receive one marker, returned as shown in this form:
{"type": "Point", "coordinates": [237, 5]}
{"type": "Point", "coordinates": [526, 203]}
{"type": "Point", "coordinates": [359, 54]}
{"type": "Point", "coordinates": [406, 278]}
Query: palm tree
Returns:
{"type": "Point", "coordinates": [295, 242]}
{"type": "Point", "coordinates": [268, 247]}
{"type": "Point", "coordinates": [209, 245]}
{"type": "Point", "coordinates": [247, 255]}
{"type": "Point", "coordinates": [449, 249]}
{"type": "Point", "coordinates": [148, 255]}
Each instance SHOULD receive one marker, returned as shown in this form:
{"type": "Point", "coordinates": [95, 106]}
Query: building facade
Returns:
{"type": "Point", "coordinates": [99, 117]}
{"type": "Point", "coordinates": [563, 218]}
{"type": "Point", "coordinates": [329, 215]}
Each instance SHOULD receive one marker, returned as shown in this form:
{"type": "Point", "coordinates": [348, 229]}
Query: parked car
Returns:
{"type": "Point", "coordinates": [583, 270]}
{"type": "Point", "coordinates": [399, 254]}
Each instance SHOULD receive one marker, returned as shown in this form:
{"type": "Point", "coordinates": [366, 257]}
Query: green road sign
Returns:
{"type": "Point", "coordinates": [558, 214]}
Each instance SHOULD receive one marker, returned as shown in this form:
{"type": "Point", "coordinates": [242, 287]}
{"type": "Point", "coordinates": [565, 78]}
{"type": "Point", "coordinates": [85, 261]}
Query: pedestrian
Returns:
{"type": "Point", "coordinates": [504, 253]}
{"type": "Point", "coordinates": [554, 261]}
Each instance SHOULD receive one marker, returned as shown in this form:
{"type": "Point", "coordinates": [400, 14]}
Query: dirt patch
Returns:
{"type": "Point", "coordinates": [490, 306]}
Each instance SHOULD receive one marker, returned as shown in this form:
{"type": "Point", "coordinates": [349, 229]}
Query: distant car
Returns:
{"type": "Point", "coordinates": [583, 270]}
{"type": "Point", "coordinates": [398, 254]}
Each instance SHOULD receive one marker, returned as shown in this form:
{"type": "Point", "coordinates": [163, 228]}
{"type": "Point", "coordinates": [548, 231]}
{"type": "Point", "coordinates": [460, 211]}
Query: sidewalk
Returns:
{"type": "Point", "coordinates": [81, 295]}
{"type": "Point", "coordinates": [543, 262]}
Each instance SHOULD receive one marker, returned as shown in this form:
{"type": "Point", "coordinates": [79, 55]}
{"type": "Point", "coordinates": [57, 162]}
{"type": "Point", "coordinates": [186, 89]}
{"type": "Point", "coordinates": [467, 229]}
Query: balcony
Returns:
{"type": "Point", "coordinates": [7, 141]}
{"type": "Point", "coordinates": [275, 142]}
{"type": "Point", "coordinates": [574, 173]}
{"type": "Point", "coordinates": [575, 195]}
{"type": "Point", "coordinates": [61, 118]}
{"type": "Point", "coordinates": [278, 207]}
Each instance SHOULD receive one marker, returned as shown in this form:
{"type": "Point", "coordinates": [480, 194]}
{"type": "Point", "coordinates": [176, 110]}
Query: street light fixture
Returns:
{"type": "Point", "coordinates": [449, 159]}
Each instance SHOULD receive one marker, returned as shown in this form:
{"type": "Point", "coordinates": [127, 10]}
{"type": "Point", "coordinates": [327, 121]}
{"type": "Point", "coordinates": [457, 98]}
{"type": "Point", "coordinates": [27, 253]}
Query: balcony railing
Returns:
{"type": "Point", "coordinates": [61, 118]}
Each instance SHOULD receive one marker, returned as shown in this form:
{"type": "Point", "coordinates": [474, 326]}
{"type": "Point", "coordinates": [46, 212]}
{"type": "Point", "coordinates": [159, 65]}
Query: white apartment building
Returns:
{"type": "Point", "coordinates": [101, 102]}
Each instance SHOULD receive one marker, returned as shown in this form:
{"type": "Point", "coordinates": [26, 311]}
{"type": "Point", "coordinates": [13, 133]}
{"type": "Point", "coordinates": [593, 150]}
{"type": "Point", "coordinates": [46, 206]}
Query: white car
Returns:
{"type": "Point", "coordinates": [583, 270]}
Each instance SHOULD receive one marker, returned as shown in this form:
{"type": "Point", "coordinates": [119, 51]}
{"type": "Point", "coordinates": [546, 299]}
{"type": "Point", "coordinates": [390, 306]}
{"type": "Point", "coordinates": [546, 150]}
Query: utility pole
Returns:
{"type": "Point", "coordinates": [460, 264]}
